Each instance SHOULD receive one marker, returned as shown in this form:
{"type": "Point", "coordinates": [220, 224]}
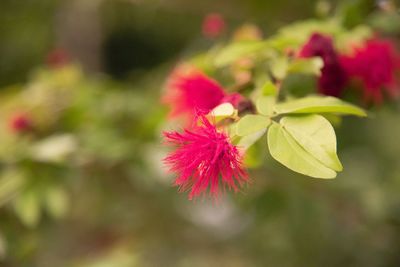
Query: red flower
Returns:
{"type": "Point", "coordinates": [374, 64]}
{"type": "Point", "coordinates": [333, 78]}
{"type": "Point", "coordinates": [190, 92]}
{"type": "Point", "coordinates": [57, 58]}
{"type": "Point", "coordinates": [20, 123]}
{"type": "Point", "coordinates": [213, 25]}
{"type": "Point", "coordinates": [234, 99]}
{"type": "Point", "coordinates": [205, 158]}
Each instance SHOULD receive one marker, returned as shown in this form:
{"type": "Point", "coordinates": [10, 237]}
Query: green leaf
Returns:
{"type": "Point", "coordinates": [223, 111]}
{"type": "Point", "coordinates": [56, 201]}
{"type": "Point", "coordinates": [317, 136]}
{"type": "Point", "coordinates": [250, 124]}
{"type": "Point", "coordinates": [237, 50]}
{"type": "Point", "coordinates": [265, 105]}
{"type": "Point", "coordinates": [306, 66]}
{"type": "Point", "coordinates": [284, 148]}
{"type": "Point", "coordinates": [318, 104]}
{"type": "Point", "coordinates": [248, 140]}
{"type": "Point", "coordinates": [27, 207]}
{"type": "Point", "coordinates": [56, 148]}
{"type": "Point", "coordinates": [11, 182]}
{"type": "Point", "coordinates": [269, 89]}
{"type": "Point", "coordinates": [279, 67]}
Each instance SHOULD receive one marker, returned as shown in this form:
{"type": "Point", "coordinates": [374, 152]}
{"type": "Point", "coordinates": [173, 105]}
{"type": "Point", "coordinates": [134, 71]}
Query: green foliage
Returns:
{"type": "Point", "coordinates": [265, 105]}
{"type": "Point", "coordinates": [247, 141]}
{"type": "Point", "coordinates": [301, 140]}
{"type": "Point", "coordinates": [223, 111]}
{"type": "Point", "coordinates": [251, 124]}
{"type": "Point", "coordinates": [316, 135]}
{"type": "Point", "coordinates": [269, 89]}
{"type": "Point", "coordinates": [305, 144]}
{"type": "Point", "coordinates": [27, 207]}
{"type": "Point", "coordinates": [94, 157]}
{"type": "Point", "coordinates": [56, 201]}
{"type": "Point", "coordinates": [317, 104]}
{"type": "Point", "coordinates": [285, 149]}
{"type": "Point", "coordinates": [306, 66]}
{"type": "Point", "coordinates": [236, 50]}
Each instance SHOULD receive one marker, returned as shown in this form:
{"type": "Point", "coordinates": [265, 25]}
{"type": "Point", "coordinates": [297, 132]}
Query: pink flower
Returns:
{"type": "Point", "coordinates": [235, 99]}
{"type": "Point", "coordinates": [374, 65]}
{"type": "Point", "coordinates": [191, 93]}
{"type": "Point", "coordinates": [20, 123]}
{"type": "Point", "coordinates": [57, 58]}
{"type": "Point", "coordinates": [333, 77]}
{"type": "Point", "coordinates": [205, 158]}
{"type": "Point", "coordinates": [213, 25]}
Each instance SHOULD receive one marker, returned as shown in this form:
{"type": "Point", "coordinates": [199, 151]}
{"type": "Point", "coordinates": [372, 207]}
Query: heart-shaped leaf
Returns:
{"type": "Point", "coordinates": [285, 149]}
{"type": "Point", "coordinates": [316, 135]}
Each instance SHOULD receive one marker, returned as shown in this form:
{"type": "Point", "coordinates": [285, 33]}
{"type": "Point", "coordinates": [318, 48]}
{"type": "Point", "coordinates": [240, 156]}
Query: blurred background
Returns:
{"type": "Point", "coordinates": [81, 176]}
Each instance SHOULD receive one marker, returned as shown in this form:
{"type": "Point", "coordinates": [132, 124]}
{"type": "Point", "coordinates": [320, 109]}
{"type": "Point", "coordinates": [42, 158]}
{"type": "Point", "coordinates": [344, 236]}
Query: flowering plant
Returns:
{"type": "Point", "coordinates": [58, 127]}
{"type": "Point", "coordinates": [287, 86]}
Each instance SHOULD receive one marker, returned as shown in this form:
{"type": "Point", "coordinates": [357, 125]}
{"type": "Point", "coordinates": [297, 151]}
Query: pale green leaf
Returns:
{"type": "Point", "coordinates": [225, 110]}
{"type": "Point", "coordinates": [269, 89]}
{"type": "Point", "coordinates": [56, 201]}
{"type": "Point", "coordinates": [237, 50]}
{"type": "Point", "coordinates": [284, 148]}
{"type": "Point", "coordinates": [306, 66]}
{"type": "Point", "coordinates": [250, 124]}
{"type": "Point", "coordinates": [316, 135]}
{"type": "Point", "coordinates": [279, 67]}
{"type": "Point", "coordinates": [27, 207]}
{"type": "Point", "coordinates": [55, 148]}
{"type": "Point", "coordinates": [265, 105]}
{"type": "Point", "coordinates": [11, 182]}
{"type": "Point", "coordinates": [318, 104]}
{"type": "Point", "coordinates": [247, 141]}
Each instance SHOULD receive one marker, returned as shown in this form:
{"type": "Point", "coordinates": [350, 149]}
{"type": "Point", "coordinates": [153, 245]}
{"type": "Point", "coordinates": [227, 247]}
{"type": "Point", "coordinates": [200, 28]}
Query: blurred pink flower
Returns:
{"type": "Point", "coordinates": [333, 77]}
{"type": "Point", "coordinates": [234, 99]}
{"type": "Point", "coordinates": [213, 25]}
{"type": "Point", "coordinates": [20, 122]}
{"type": "Point", "coordinates": [190, 93]}
{"type": "Point", "coordinates": [205, 158]}
{"type": "Point", "coordinates": [57, 58]}
{"type": "Point", "coordinates": [374, 65]}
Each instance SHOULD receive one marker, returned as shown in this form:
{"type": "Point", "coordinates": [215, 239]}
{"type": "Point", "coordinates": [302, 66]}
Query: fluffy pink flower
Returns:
{"type": "Point", "coordinates": [205, 158]}
{"type": "Point", "coordinates": [333, 78]}
{"type": "Point", "coordinates": [374, 65]}
{"type": "Point", "coordinates": [191, 93]}
{"type": "Point", "coordinates": [20, 123]}
{"type": "Point", "coordinates": [213, 25]}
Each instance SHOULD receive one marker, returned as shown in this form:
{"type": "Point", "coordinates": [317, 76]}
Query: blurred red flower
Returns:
{"type": "Point", "coordinates": [333, 77]}
{"type": "Point", "coordinates": [213, 25]}
{"type": "Point", "coordinates": [205, 158]}
{"type": "Point", "coordinates": [57, 58]}
{"type": "Point", "coordinates": [190, 93]}
{"type": "Point", "coordinates": [20, 122]}
{"type": "Point", "coordinates": [374, 64]}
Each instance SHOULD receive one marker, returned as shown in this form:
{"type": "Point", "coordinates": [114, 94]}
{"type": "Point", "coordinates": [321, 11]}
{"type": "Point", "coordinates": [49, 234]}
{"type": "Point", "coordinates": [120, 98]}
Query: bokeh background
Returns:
{"type": "Point", "coordinates": [86, 187]}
